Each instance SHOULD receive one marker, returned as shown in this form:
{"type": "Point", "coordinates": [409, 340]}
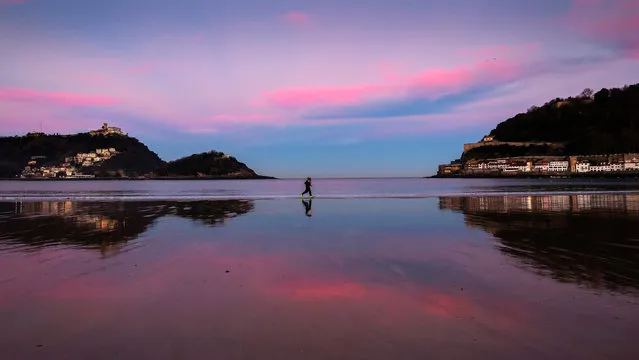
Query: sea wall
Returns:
{"type": "Point", "coordinates": [470, 146]}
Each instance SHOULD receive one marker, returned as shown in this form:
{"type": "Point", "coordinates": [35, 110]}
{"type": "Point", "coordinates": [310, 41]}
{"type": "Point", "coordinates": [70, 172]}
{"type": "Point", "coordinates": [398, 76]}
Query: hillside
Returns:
{"type": "Point", "coordinates": [133, 158]}
{"type": "Point", "coordinates": [605, 122]}
{"type": "Point", "coordinates": [210, 164]}
{"type": "Point", "coordinates": [103, 155]}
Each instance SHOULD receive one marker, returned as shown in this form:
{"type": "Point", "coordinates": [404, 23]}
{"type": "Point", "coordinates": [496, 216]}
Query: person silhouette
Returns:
{"type": "Point", "coordinates": [308, 185]}
{"type": "Point", "coordinates": [307, 207]}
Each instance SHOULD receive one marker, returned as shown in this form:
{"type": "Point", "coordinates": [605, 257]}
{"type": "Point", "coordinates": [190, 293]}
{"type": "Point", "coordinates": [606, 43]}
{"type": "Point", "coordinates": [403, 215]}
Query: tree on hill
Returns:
{"type": "Point", "coordinates": [207, 164]}
{"type": "Point", "coordinates": [608, 122]}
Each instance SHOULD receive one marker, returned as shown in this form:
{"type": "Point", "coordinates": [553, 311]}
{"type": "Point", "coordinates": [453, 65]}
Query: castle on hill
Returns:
{"type": "Point", "coordinates": [106, 130]}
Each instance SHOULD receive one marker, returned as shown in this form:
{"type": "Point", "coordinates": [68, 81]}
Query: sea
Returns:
{"type": "Point", "coordinates": [370, 268]}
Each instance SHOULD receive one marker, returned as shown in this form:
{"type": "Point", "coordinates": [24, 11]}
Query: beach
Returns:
{"type": "Point", "coordinates": [369, 269]}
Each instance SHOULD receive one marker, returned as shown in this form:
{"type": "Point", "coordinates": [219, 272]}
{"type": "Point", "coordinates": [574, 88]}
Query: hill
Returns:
{"type": "Point", "coordinates": [602, 122]}
{"type": "Point", "coordinates": [106, 153]}
{"type": "Point", "coordinates": [210, 164]}
{"type": "Point", "coordinates": [130, 158]}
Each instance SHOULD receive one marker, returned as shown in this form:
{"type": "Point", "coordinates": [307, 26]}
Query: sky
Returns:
{"type": "Point", "coordinates": [306, 88]}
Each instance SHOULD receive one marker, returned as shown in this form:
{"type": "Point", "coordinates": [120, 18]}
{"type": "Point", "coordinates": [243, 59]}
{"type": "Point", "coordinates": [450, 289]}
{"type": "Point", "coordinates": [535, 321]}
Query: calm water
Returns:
{"type": "Point", "coordinates": [276, 189]}
{"type": "Point", "coordinates": [496, 276]}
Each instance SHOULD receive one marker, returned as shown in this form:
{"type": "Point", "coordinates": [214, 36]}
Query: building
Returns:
{"type": "Point", "coordinates": [106, 130]}
{"type": "Point", "coordinates": [617, 166]}
{"type": "Point", "coordinates": [541, 166]}
{"type": "Point", "coordinates": [582, 167]}
{"type": "Point", "coordinates": [600, 167]}
{"type": "Point", "coordinates": [631, 162]}
{"type": "Point", "coordinates": [518, 166]}
{"type": "Point", "coordinates": [558, 166]}
{"type": "Point", "coordinates": [449, 169]}
{"type": "Point", "coordinates": [487, 138]}
{"type": "Point", "coordinates": [498, 164]}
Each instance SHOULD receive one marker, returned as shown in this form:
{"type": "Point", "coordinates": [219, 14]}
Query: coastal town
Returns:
{"type": "Point", "coordinates": [73, 166]}
{"type": "Point", "coordinates": [538, 165]}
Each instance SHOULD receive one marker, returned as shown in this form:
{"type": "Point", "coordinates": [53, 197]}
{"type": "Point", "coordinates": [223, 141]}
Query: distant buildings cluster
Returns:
{"type": "Point", "coordinates": [540, 165]}
{"type": "Point", "coordinates": [544, 165]}
{"type": "Point", "coordinates": [72, 166]}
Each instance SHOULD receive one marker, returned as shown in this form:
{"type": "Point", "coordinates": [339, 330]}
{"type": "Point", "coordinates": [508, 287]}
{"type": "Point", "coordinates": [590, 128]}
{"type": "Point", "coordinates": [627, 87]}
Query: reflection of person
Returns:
{"type": "Point", "coordinates": [307, 206]}
{"type": "Point", "coordinates": [308, 185]}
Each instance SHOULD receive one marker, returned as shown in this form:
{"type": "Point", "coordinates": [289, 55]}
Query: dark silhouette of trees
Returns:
{"type": "Point", "coordinates": [593, 123]}
{"type": "Point", "coordinates": [207, 164]}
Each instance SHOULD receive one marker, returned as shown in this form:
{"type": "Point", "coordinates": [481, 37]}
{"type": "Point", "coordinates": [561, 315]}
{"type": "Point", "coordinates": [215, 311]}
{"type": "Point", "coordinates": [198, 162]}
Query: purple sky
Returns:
{"type": "Point", "coordinates": [296, 88]}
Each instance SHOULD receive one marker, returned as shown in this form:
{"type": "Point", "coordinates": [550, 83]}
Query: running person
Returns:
{"type": "Point", "coordinates": [308, 185]}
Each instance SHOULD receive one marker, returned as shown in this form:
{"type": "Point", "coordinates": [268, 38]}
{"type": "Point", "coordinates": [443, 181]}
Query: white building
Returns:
{"type": "Point", "coordinates": [603, 167]}
{"type": "Point", "coordinates": [497, 164]}
{"type": "Point", "coordinates": [583, 167]}
{"type": "Point", "coordinates": [558, 166]}
{"type": "Point", "coordinates": [518, 166]}
{"type": "Point", "coordinates": [617, 167]}
{"type": "Point", "coordinates": [631, 165]}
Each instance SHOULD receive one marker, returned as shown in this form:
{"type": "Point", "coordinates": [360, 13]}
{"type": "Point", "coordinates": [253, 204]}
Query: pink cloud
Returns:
{"type": "Point", "coordinates": [432, 82]}
{"type": "Point", "coordinates": [389, 70]}
{"type": "Point", "coordinates": [297, 17]}
{"type": "Point", "coordinates": [11, 2]}
{"type": "Point", "coordinates": [322, 96]}
{"type": "Point", "coordinates": [242, 118]}
{"type": "Point", "coordinates": [55, 98]}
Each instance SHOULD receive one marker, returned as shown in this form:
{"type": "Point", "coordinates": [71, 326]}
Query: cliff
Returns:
{"type": "Point", "coordinates": [210, 164]}
{"type": "Point", "coordinates": [604, 122]}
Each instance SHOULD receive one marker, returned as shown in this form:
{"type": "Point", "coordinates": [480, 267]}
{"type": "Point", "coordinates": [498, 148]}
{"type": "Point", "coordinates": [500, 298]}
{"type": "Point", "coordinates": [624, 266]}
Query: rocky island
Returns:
{"type": "Point", "coordinates": [592, 134]}
{"type": "Point", "coordinates": [107, 153]}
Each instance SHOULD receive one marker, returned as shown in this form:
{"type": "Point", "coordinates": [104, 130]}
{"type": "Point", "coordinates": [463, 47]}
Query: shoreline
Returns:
{"type": "Point", "coordinates": [296, 198]}
{"type": "Point", "coordinates": [139, 179]}
{"type": "Point", "coordinates": [620, 175]}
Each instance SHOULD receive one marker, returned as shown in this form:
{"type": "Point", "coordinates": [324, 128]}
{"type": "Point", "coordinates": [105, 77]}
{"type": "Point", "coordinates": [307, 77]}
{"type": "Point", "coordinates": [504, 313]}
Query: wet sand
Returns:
{"type": "Point", "coordinates": [494, 277]}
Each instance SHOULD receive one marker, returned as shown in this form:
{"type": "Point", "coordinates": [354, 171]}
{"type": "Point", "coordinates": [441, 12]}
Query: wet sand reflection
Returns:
{"type": "Point", "coordinates": [274, 284]}
{"type": "Point", "coordinates": [591, 240]}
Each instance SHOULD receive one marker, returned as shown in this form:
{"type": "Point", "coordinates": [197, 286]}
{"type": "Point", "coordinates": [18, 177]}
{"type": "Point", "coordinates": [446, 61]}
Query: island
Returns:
{"type": "Point", "coordinates": [107, 153]}
{"type": "Point", "coordinates": [591, 134]}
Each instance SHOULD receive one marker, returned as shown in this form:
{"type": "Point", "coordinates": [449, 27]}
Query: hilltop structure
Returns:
{"type": "Point", "coordinates": [107, 130]}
